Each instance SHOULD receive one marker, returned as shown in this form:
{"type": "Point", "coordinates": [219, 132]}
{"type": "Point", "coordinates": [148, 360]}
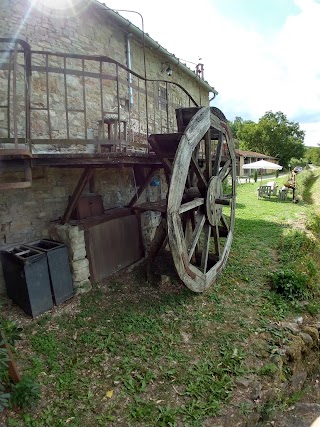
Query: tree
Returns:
{"type": "Point", "coordinates": [236, 126]}
{"type": "Point", "coordinates": [312, 155]}
{"type": "Point", "coordinates": [273, 135]}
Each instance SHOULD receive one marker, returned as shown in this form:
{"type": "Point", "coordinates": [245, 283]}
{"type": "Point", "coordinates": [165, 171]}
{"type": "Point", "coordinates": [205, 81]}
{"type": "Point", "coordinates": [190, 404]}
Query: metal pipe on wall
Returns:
{"type": "Point", "coordinates": [128, 37]}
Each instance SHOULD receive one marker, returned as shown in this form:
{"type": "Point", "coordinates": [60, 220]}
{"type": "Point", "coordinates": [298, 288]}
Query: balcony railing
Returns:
{"type": "Point", "coordinates": [53, 102]}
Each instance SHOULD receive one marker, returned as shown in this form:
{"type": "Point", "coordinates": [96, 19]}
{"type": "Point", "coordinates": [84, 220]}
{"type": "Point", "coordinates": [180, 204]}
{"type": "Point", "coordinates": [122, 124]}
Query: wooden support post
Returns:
{"type": "Point", "coordinates": [92, 184]}
{"type": "Point", "coordinates": [156, 244]}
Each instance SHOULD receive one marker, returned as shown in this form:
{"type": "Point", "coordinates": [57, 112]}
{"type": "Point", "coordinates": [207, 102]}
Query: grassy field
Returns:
{"type": "Point", "coordinates": [130, 353]}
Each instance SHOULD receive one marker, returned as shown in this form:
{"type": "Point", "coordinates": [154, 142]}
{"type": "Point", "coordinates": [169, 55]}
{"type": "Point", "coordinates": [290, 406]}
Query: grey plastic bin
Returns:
{"type": "Point", "coordinates": [59, 268]}
{"type": "Point", "coordinates": [27, 279]}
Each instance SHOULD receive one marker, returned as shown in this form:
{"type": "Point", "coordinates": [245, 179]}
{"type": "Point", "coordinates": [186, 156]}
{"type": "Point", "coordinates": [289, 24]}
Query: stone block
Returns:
{"type": "Point", "coordinates": [78, 253]}
{"type": "Point", "coordinates": [74, 233]}
{"type": "Point", "coordinates": [82, 287]}
{"type": "Point", "coordinates": [80, 264]}
{"type": "Point", "coordinates": [80, 275]}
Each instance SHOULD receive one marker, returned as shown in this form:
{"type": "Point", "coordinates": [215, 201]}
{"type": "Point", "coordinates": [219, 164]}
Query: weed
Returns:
{"type": "Point", "coordinates": [293, 244]}
{"type": "Point", "coordinates": [11, 331]}
{"type": "Point", "coordinates": [313, 308]}
{"type": "Point", "coordinates": [269, 369]}
{"type": "Point", "coordinates": [291, 284]}
{"type": "Point", "coordinates": [4, 398]}
{"type": "Point", "coordinates": [268, 409]}
{"type": "Point", "coordinates": [25, 394]}
{"type": "Point", "coordinates": [313, 223]}
{"type": "Point", "coordinates": [197, 409]}
{"type": "Point", "coordinates": [143, 411]}
{"type": "Point", "coordinates": [166, 416]}
{"type": "Point", "coordinates": [246, 408]}
{"type": "Point", "coordinates": [275, 307]}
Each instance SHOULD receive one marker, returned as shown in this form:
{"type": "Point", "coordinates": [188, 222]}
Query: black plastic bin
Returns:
{"type": "Point", "coordinates": [59, 268]}
{"type": "Point", "coordinates": [27, 279]}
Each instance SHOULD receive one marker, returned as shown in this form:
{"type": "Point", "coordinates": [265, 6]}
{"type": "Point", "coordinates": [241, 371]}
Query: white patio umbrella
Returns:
{"type": "Point", "coordinates": [262, 164]}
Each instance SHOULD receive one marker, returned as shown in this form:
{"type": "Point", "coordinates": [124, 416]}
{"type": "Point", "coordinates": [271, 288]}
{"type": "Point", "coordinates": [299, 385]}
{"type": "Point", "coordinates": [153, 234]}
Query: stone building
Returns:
{"type": "Point", "coordinates": [77, 90]}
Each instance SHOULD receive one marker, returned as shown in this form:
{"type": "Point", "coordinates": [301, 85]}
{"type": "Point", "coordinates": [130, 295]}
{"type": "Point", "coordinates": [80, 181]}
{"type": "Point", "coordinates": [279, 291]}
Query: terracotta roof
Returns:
{"type": "Point", "coordinates": [243, 153]}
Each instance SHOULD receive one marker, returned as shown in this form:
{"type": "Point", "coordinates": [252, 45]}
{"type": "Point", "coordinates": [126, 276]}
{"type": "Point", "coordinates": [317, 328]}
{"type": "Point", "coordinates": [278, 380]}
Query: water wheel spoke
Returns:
{"type": "Point", "coordinates": [188, 206]}
{"type": "Point", "coordinates": [196, 234]}
{"type": "Point", "coordinates": [224, 222]}
{"type": "Point", "coordinates": [216, 241]}
{"type": "Point", "coordinates": [208, 155]}
{"type": "Point", "coordinates": [217, 161]}
{"type": "Point", "coordinates": [188, 226]}
{"type": "Point", "coordinates": [202, 181]}
{"type": "Point", "coordinates": [225, 170]}
{"type": "Point", "coordinates": [206, 247]}
{"type": "Point", "coordinates": [195, 157]}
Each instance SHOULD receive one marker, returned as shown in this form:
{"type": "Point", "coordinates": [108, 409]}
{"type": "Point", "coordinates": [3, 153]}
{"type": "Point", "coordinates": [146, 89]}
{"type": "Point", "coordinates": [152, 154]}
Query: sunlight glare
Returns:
{"type": "Point", "coordinates": [60, 6]}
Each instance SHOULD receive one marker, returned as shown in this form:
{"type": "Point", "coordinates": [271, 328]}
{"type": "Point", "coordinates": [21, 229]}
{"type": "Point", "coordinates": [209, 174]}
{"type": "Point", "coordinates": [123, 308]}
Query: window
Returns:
{"type": "Point", "coordinates": [163, 98]}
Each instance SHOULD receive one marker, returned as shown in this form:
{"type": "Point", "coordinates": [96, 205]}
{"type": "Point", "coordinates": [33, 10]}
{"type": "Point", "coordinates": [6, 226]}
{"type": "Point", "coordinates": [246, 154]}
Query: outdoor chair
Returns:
{"type": "Point", "coordinates": [264, 191]}
{"type": "Point", "coordinates": [283, 194]}
{"type": "Point", "coordinates": [274, 187]}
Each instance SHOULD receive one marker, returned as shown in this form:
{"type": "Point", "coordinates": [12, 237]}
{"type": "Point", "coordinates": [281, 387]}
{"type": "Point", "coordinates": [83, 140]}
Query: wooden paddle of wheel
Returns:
{"type": "Point", "coordinates": [198, 218]}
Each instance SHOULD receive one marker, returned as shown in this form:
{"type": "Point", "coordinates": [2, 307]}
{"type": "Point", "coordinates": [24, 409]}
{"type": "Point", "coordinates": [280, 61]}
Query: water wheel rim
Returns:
{"type": "Point", "coordinates": [198, 278]}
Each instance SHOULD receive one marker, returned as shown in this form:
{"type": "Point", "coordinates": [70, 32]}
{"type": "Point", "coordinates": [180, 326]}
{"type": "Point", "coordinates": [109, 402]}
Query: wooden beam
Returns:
{"type": "Point", "coordinates": [83, 180]}
{"type": "Point", "coordinates": [142, 187]}
{"type": "Point", "coordinates": [154, 144]}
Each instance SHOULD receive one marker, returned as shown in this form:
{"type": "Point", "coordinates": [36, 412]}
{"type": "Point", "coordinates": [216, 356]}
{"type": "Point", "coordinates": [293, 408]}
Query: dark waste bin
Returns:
{"type": "Point", "coordinates": [59, 268]}
{"type": "Point", "coordinates": [27, 279]}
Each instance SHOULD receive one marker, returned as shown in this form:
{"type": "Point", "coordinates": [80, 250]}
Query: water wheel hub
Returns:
{"type": "Point", "coordinates": [215, 192]}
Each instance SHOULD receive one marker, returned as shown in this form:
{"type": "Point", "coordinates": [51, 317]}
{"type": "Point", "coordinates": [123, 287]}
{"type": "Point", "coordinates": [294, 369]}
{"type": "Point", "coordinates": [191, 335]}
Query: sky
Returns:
{"type": "Point", "coordinates": [260, 55]}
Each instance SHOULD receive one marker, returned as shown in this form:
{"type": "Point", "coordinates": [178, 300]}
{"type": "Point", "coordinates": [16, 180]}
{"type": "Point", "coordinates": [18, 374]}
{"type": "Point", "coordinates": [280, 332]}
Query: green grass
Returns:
{"type": "Point", "coordinates": [131, 354]}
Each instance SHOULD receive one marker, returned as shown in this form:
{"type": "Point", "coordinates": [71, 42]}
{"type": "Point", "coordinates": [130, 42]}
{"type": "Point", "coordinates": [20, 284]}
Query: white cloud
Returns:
{"type": "Point", "coordinates": [252, 72]}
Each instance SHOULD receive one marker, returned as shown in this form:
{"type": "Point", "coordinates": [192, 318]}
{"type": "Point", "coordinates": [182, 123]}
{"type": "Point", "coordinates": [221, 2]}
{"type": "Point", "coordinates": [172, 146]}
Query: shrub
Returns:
{"type": "Point", "coordinates": [25, 394]}
{"type": "Point", "coordinates": [303, 180]}
{"type": "Point", "coordinates": [293, 244]}
{"type": "Point", "coordinates": [255, 175]}
{"type": "Point", "coordinates": [291, 284]}
{"type": "Point", "coordinates": [4, 398]}
{"type": "Point", "coordinates": [313, 223]}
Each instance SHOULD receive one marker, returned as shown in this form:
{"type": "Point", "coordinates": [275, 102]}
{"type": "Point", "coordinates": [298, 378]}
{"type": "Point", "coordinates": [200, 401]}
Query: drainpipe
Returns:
{"type": "Point", "coordinates": [128, 37]}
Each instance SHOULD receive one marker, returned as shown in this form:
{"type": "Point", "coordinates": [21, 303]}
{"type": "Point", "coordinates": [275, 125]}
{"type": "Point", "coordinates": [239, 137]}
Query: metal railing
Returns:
{"type": "Point", "coordinates": [53, 100]}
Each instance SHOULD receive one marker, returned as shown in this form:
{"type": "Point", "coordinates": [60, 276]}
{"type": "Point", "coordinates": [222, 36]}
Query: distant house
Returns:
{"type": "Point", "coordinates": [244, 157]}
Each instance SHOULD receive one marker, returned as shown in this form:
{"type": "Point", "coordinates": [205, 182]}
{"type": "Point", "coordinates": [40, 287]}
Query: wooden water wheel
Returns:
{"type": "Point", "coordinates": [198, 216]}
